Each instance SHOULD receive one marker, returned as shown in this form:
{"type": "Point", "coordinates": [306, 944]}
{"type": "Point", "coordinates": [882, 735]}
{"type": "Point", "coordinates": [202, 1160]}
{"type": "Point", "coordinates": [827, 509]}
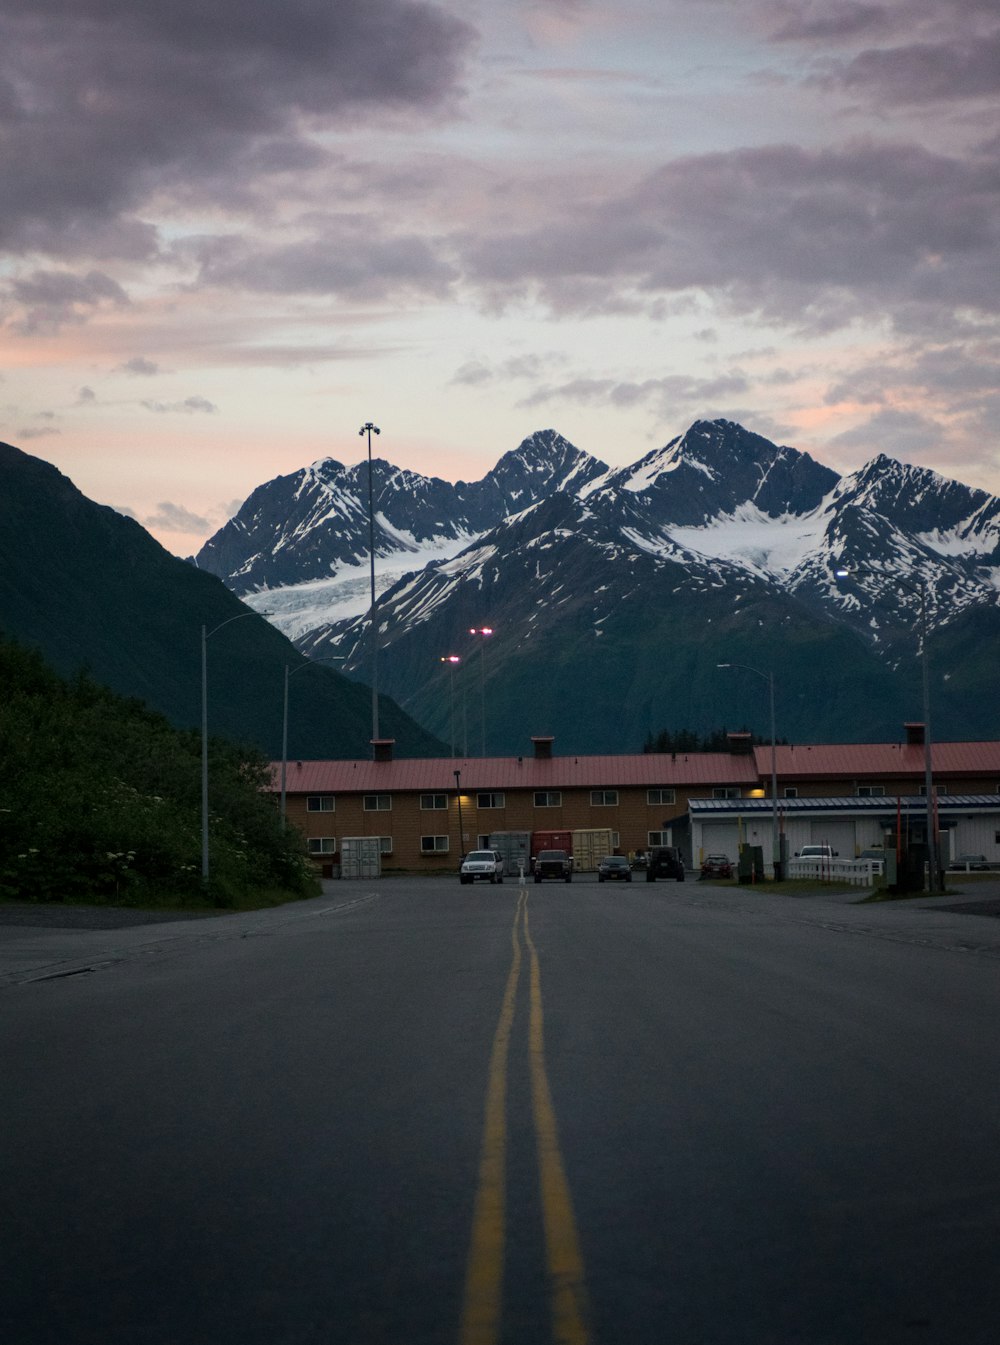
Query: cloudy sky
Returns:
{"type": "Point", "coordinates": [231, 231]}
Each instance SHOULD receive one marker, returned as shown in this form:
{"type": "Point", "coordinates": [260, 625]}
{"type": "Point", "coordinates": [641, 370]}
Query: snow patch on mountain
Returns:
{"type": "Point", "coordinates": [768, 546]}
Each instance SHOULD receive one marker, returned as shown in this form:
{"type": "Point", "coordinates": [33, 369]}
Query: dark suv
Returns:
{"type": "Point", "coordinates": [665, 862]}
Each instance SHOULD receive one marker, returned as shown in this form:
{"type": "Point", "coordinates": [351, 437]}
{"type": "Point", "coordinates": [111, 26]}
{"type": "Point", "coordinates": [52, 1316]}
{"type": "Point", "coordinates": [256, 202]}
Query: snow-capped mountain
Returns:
{"type": "Point", "coordinates": [720, 547]}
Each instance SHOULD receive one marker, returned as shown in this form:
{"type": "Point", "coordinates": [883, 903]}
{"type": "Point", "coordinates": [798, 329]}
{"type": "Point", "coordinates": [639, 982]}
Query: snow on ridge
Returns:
{"type": "Point", "coordinates": [298, 609]}
{"type": "Point", "coordinates": [750, 537]}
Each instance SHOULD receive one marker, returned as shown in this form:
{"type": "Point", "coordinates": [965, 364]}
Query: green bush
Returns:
{"type": "Point", "coordinates": [100, 800]}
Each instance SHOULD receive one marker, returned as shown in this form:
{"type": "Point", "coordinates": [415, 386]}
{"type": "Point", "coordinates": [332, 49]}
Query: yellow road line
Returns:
{"type": "Point", "coordinates": [483, 1302]}
{"type": "Point", "coordinates": [484, 1274]}
{"type": "Point", "coordinates": [567, 1284]}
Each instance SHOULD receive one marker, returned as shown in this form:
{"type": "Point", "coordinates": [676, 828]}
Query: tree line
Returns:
{"type": "Point", "coordinates": [100, 800]}
{"type": "Point", "coordinates": [688, 741]}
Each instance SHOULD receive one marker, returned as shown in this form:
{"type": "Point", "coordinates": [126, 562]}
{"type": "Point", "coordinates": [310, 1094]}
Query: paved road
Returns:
{"type": "Point", "coordinates": [413, 1112]}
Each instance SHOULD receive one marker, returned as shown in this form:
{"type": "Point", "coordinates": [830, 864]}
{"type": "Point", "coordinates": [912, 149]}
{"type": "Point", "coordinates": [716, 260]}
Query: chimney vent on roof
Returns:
{"type": "Point", "coordinates": [543, 748]}
{"type": "Point", "coordinates": [914, 735]}
{"type": "Point", "coordinates": [740, 744]}
{"type": "Point", "coordinates": [382, 748]}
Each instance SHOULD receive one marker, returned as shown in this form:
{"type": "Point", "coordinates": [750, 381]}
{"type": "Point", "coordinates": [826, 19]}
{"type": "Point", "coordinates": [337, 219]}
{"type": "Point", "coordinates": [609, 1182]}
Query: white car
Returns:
{"type": "Point", "coordinates": [484, 864]}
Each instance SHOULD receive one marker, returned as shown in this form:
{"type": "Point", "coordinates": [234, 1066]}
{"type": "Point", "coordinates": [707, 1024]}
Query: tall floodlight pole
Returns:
{"type": "Point", "coordinates": [370, 429]}
{"type": "Point", "coordinates": [484, 633]}
{"type": "Point", "coordinates": [206, 635]}
{"type": "Point", "coordinates": [452, 661]}
{"type": "Point", "coordinates": [769, 679]}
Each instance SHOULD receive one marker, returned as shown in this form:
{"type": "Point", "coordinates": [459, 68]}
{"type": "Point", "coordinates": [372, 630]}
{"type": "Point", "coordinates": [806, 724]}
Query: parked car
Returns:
{"type": "Point", "coordinates": [969, 862]}
{"type": "Point", "coordinates": [716, 866]}
{"type": "Point", "coordinates": [614, 866]}
{"type": "Point", "coordinates": [816, 852]}
{"type": "Point", "coordinates": [875, 855]}
{"type": "Point", "coordinates": [553, 864]}
{"type": "Point", "coordinates": [486, 865]}
{"type": "Point", "coordinates": [665, 862]}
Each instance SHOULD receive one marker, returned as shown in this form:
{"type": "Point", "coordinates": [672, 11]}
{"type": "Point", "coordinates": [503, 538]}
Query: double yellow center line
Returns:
{"type": "Point", "coordinates": [483, 1304]}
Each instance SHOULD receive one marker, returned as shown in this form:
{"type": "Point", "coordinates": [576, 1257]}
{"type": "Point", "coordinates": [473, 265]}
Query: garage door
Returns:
{"type": "Point", "coordinates": [719, 838]}
{"type": "Point", "coordinates": [839, 835]}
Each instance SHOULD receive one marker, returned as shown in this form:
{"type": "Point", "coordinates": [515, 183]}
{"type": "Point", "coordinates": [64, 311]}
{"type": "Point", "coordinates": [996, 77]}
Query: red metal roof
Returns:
{"type": "Point", "coordinates": [645, 770]}
{"type": "Point", "coordinates": [876, 760]}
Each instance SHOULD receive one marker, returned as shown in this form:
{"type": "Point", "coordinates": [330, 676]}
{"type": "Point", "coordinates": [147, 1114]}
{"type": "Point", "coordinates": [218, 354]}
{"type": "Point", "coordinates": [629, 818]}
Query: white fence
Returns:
{"type": "Point", "coordinates": [857, 872]}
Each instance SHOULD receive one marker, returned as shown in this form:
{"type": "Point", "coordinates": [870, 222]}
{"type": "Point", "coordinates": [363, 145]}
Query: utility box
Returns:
{"type": "Point", "coordinates": [361, 857]}
{"type": "Point", "coordinates": [751, 864]}
{"type": "Point", "coordinates": [589, 848]}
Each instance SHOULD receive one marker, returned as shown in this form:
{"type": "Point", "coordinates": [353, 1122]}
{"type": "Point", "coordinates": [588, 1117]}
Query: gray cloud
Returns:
{"type": "Point", "coordinates": [817, 238]}
{"type": "Point", "coordinates": [349, 257]}
{"type": "Point", "coordinates": [47, 300]}
{"type": "Point", "coordinates": [102, 103]}
{"type": "Point", "coordinates": [903, 434]}
{"type": "Point", "coordinates": [140, 366]}
{"type": "Point", "coordinates": [665, 393]}
{"type": "Point", "coordinates": [190, 406]}
{"type": "Point", "coordinates": [175, 518]}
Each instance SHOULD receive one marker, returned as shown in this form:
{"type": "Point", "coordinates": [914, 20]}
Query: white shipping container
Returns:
{"type": "Point", "coordinates": [361, 857]}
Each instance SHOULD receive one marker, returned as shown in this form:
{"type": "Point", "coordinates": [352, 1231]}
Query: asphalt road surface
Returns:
{"type": "Point", "coordinates": [415, 1112]}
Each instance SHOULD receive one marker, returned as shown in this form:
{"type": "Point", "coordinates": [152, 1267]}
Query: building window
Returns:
{"type": "Point", "coordinates": [657, 797]}
{"type": "Point", "coordinates": [791, 791]}
{"type": "Point", "coordinates": [378, 803]}
{"type": "Point", "coordinates": [658, 838]}
{"type": "Point", "coordinates": [497, 799]}
{"type": "Point", "coordinates": [433, 845]}
{"type": "Point", "coordinates": [319, 803]}
{"type": "Point", "coordinates": [433, 802]}
{"type": "Point", "coordinates": [548, 798]}
{"type": "Point", "coordinates": [604, 798]}
{"type": "Point", "coordinates": [871, 791]}
{"type": "Point", "coordinates": [322, 845]}
{"type": "Point", "coordinates": [726, 792]}
{"type": "Point", "coordinates": [385, 845]}
{"type": "Point", "coordinates": [923, 790]}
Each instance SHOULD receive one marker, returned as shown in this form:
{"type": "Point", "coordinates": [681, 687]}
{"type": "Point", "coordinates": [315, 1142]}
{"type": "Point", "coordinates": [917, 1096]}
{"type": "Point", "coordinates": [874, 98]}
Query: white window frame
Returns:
{"type": "Point", "coordinates": [435, 848]}
{"type": "Point", "coordinates": [604, 798]}
{"type": "Point", "coordinates": [659, 798]}
{"type": "Point", "coordinates": [655, 838]}
{"type": "Point", "coordinates": [321, 803]}
{"type": "Point", "coordinates": [552, 797]}
{"type": "Point", "coordinates": [791, 791]}
{"type": "Point", "coordinates": [322, 845]}
{"type": "Point", "coordinates": [385, 845]}
{"type": "Point", "coordinates": [497, 798]}
{"type": "Point", "coordinates": [437, 803]}
{"type": "Point", "coordinates": [382, 804]}
{"type": "Point", "coordinates": [725, 791]}
{"type": "Point", "coordinates": [870, 792]}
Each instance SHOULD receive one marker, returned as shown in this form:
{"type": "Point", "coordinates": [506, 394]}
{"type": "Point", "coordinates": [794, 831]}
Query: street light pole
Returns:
{"type": "Point", "coordinates": [461, 833]}
{"type": "Point", "coordinates": [484, 632]}
{"type": "Point", "coordinates": [452, 660]}
{"type": "Point", "coordinates": [769, 679]}
{"type": "Point", "coordinates": [933, 879]}
{"type": "Point", "coordinates": [370, 429]}
{"type": "Point", "coordinates": [206, 635]}
{"type": "Point", "coordinates": [919, 585]}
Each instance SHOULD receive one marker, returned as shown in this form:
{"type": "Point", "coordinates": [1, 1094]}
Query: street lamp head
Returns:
{"type": "Point", "coordinates": [368, 427]}
{"type": "Point", "coordinates": [723, 665]}
{"type": "Point", "coordinates": [451, 658]}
